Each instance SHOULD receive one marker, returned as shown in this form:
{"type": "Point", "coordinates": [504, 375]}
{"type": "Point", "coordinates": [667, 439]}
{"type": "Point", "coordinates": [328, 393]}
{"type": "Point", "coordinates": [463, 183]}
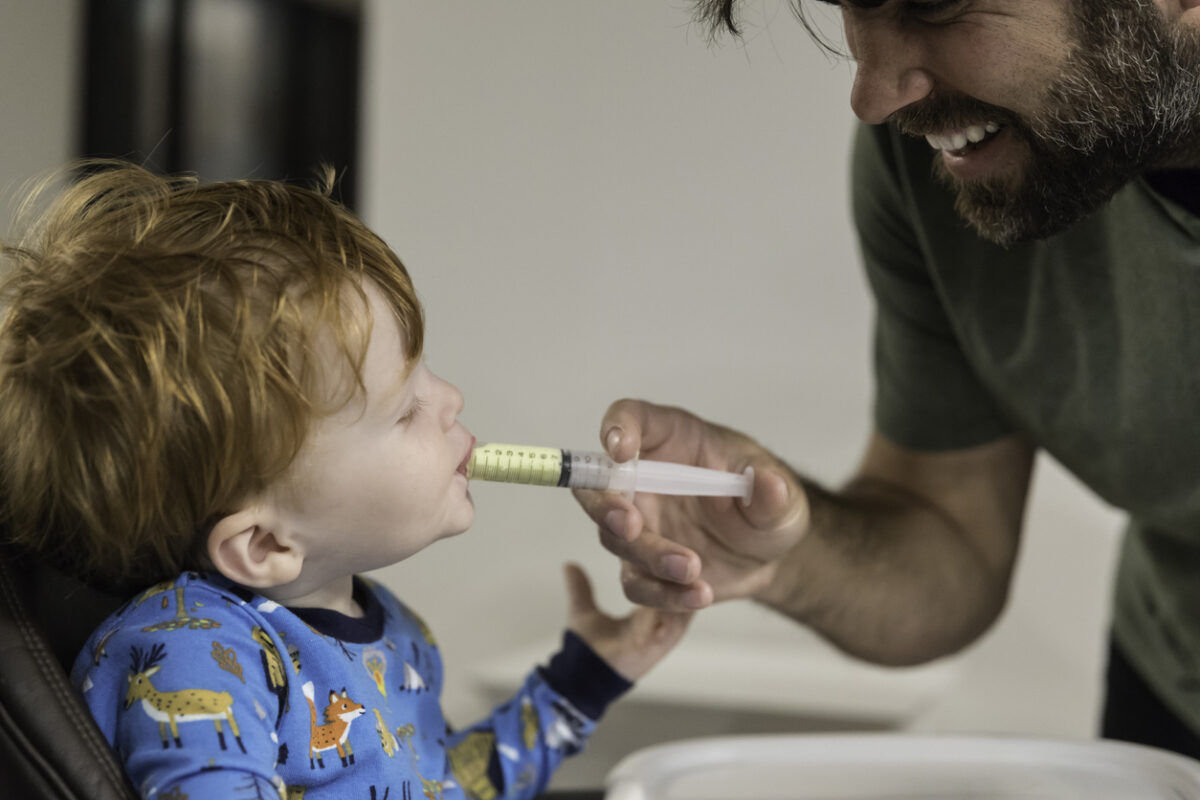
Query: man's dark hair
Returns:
{"type": "Point", "coordinates": [720, 16]}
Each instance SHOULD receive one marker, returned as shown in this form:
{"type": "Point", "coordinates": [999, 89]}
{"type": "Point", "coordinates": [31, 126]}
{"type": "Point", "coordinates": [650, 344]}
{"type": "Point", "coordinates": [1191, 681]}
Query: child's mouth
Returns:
{"type": "Point", "coordinates": [462, 466]}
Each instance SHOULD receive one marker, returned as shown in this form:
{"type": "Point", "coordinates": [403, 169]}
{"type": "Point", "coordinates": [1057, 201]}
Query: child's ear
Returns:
{"type": "Point", "coordinates": [249, 547]}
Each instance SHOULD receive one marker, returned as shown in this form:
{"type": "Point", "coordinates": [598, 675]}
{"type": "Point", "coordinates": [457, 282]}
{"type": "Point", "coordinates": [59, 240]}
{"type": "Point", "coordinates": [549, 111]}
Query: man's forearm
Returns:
{"type": "Point", "coordinates": [886, 576]}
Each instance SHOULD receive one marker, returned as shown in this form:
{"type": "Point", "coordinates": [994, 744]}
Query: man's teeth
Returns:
{"type": "Point", "coordinates": [957, 140]}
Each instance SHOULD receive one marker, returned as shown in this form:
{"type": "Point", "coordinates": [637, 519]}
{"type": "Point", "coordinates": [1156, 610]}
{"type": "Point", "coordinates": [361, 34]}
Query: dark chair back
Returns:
{"type": "Point", "coordinates": [50, 749]}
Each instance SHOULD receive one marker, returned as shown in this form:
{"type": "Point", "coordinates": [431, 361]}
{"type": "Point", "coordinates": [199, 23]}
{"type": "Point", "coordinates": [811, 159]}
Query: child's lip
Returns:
{"type": "Point", "coordinates": [462, 465]}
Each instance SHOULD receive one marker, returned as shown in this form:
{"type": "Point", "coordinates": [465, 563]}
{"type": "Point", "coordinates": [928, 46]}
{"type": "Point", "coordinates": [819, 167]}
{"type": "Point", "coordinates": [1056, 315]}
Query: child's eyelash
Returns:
{"type": "Point", "coordinates": [417, 405]}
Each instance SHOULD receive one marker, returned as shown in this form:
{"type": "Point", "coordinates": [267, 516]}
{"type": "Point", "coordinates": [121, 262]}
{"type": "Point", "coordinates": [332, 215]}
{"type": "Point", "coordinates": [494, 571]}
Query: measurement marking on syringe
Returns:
{"type": "Point", "coordinates": [536, 466]}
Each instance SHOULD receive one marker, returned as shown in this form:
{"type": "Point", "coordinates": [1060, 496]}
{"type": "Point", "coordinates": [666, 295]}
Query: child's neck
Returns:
{"type": "Point", "coordinates": [337, 595]}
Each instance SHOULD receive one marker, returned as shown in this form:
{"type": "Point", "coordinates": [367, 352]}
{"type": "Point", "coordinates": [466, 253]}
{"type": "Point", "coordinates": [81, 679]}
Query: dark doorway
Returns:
{"type": "Point", "coordinates": [225, 88]}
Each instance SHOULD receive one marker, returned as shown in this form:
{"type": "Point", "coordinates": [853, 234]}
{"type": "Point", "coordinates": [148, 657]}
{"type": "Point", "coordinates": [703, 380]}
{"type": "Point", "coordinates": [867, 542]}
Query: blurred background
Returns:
{"type": "Point", "coordinates": [594, 202]}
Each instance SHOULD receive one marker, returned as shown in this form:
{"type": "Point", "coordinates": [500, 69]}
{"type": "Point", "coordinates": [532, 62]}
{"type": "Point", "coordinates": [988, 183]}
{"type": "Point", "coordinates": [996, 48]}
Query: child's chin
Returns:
{"type": "Point", "coordinates": [461, 525]}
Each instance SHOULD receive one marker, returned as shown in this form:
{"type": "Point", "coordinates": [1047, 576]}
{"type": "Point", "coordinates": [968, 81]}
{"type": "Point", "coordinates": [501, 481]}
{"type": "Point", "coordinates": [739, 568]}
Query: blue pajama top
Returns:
{"type": "Point", "coordinates": [208, 690]}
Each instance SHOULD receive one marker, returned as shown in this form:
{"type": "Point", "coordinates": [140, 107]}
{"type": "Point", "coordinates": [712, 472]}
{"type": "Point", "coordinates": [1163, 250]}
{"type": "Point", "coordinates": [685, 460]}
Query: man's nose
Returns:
{"type": "Point", "coordinates": [891, 71]}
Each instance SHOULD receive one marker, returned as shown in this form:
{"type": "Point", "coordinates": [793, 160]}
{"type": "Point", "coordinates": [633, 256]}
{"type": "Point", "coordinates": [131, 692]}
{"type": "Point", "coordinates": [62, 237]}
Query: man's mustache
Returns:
{"type": "Point", "coordinates": [940, 113]}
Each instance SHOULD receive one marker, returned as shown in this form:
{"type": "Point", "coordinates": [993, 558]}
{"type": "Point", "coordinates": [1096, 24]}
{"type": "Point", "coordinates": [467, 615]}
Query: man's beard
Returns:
{"type": "Point", "coordinates": [1128, 100]}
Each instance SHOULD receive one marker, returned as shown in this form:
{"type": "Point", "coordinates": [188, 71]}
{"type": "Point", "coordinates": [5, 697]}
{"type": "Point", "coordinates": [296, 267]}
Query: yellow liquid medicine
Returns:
{"type": "Point", "coordinates": [511, 463]}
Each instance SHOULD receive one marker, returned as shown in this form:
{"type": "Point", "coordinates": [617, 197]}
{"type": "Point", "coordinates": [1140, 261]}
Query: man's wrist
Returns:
{"type": "Point", "coordinates": [781, 585]}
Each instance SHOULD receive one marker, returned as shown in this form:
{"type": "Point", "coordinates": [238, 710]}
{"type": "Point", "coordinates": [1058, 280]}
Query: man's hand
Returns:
{"type": "Point", "coordinates": [683, 553]}
{"type": "Point", "coordinates": [631, 645]}
{"type": "Point", "coordinates": [911, 559]}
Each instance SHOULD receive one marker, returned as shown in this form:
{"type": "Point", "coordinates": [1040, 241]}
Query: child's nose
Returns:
{"type": "Point", "coordinates": [453, 405]}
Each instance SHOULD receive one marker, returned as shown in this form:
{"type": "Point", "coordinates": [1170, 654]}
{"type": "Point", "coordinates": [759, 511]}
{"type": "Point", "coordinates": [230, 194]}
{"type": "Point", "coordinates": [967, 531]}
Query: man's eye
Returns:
{"type": "Point", "coordinates": [935, 9]}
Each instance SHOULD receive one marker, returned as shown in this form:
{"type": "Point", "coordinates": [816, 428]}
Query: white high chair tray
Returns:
{"type": "Point", "coordinates": [901, 767]}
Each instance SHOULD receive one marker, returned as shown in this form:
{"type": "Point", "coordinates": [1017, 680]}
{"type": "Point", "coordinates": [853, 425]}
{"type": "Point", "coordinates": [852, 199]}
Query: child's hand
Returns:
{"type": "Point", "coordinates": [631, 645]}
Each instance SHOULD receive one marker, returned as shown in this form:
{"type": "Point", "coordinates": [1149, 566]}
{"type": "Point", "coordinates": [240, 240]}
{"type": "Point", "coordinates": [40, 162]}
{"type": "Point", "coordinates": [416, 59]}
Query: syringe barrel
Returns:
{"type": "Point", "coordinates": [550, 466]}
{"type": "Point", "coordinates": [512, 463]}
{"type": "Point", "coordinates": [593, 470]}
{"type": "Point", "coordinates": [586, 469]}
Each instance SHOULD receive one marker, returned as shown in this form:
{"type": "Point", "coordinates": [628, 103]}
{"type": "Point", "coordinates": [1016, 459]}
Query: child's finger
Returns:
{"type": "Point", "coordinates": [661, 626]}
{"type": "Point", "coordinates": [671, 625]}
{"type": "Point", "coordinates": [580, 599]}
{"type": "Point", "coordinates": [653, 625]}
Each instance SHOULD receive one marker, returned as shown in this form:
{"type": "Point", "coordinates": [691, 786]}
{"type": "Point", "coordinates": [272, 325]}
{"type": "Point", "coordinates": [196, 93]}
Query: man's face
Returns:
{"type": "Point", "coordinates": [1068, 99]}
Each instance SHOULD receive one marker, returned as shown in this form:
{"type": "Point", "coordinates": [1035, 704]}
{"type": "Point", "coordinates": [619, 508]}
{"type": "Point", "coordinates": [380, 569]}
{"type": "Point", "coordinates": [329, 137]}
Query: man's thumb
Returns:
{"type": "Point", "coordinates": [776, 501]}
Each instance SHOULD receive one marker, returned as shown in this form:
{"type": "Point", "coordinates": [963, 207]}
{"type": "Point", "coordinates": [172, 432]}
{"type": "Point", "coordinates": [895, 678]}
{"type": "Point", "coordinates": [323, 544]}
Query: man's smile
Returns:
{"type": "Point", "coordinates": [955, 142]}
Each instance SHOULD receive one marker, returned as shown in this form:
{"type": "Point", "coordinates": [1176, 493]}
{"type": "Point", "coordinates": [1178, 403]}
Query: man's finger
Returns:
{"type": "Point", "coordinates": [634, 426]}
{"type": "Point", "coordinates": [656, 556]}
{"type": "Point", "coordinates": [621, 429]}
{"type": "Point", "coordinates": [646, 590]}
{"type": "Point", "coordinates": [612, 512]}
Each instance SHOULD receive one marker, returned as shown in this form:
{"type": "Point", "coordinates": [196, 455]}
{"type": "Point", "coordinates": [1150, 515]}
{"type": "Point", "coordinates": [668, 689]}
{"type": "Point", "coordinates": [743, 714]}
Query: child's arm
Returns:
{"type": "Point", "coordinates": [178, 686]}
{"type": "Point", "coordinates": [514, 752]}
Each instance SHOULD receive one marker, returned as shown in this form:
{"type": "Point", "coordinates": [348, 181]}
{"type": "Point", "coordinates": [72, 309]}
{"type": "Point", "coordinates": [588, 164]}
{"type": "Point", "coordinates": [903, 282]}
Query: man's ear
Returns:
{"type": "Point", "coordinates": [251, 548]}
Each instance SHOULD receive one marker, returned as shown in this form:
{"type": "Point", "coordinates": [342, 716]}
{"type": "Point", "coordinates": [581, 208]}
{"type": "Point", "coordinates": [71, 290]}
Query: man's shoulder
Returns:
{"type": "Point", "coordinates": [884, 146]}
{"type": "Point", "coordinates": [894, 185]}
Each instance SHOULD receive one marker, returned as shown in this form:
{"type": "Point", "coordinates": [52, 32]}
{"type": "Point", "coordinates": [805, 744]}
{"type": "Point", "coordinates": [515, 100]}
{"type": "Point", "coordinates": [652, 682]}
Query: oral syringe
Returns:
{"type": "Point", "coordinates": [577, 469]}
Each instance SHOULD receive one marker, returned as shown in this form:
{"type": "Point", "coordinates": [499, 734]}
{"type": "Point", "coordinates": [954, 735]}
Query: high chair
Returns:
{"type": "Point", "coordinates": [50, 749]}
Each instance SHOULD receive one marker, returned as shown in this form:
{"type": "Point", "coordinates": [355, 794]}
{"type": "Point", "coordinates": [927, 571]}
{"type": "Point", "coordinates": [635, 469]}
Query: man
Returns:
{"type": "Point", "coordinates": [1027, 210]}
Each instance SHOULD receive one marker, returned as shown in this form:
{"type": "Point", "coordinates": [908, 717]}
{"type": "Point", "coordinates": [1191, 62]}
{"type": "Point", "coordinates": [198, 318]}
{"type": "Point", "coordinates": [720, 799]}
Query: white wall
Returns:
{"type": "Point", "coordinates": [39, 46]}
{"type": "Point", "coordinates": [595, 203]}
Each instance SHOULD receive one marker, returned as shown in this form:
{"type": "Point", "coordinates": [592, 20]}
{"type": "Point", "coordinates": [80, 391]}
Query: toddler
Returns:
{"type": "Point", "coordinates": [215, 393]}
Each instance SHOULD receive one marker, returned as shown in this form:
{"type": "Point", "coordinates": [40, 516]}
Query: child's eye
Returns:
{"type": "Point", "coordinates": [414, 409]}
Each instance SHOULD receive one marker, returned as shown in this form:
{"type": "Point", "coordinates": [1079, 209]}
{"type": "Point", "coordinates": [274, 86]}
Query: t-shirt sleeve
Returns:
{"type": "Point", "coordinates": [927, 395]}
{"type": "Point", "coordinates": [513, 753]}
{"type": "Point", "coordinates": [189, 692]}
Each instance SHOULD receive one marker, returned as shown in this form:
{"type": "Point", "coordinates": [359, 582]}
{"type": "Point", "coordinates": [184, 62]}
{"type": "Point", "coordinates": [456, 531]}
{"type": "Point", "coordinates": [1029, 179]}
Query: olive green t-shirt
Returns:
{"type": "Point", "coordinates": [1088, 342]}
